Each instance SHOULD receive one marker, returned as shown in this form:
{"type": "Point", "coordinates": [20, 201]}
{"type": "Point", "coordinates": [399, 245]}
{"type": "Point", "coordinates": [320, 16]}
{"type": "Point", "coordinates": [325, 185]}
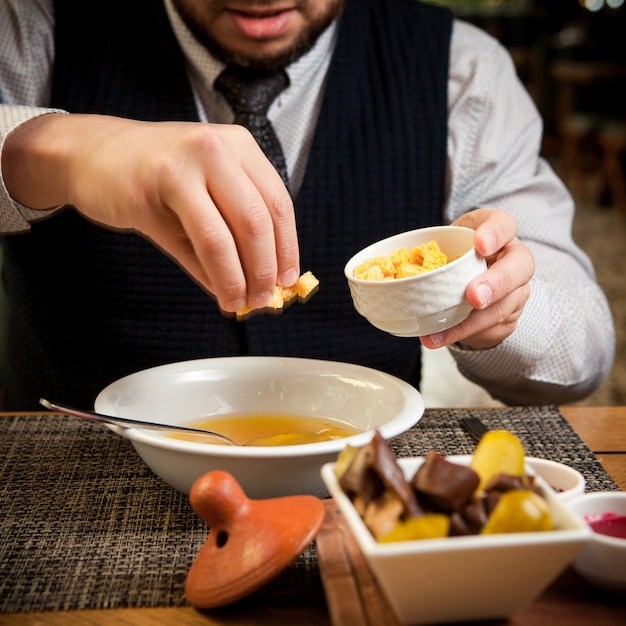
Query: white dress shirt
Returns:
{"type": "Point", "coordinates": [565, 336]}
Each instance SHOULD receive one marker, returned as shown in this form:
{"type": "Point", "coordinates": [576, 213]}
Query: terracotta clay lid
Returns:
{"type": "Point", "coordinates": [250, 541]}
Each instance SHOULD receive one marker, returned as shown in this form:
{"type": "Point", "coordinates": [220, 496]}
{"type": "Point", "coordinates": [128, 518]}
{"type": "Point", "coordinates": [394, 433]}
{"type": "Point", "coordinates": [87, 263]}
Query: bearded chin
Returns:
{"type": "Point", "coordinates": [273, 62]}
{"type": "Point", "coordinates": [281, 59]}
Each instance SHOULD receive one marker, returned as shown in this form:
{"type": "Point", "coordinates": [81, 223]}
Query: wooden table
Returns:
{"type": "Point", "coordinates": [603, 429]}
{"type": "Point", "coordinates": [568, 601]}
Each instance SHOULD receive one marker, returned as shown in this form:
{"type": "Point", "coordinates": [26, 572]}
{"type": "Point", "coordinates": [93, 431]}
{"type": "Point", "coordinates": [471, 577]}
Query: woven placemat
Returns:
{"type": "Point", "coordinates": [86, 525]}
{"type": "Point", "coordinates": [544, 432]}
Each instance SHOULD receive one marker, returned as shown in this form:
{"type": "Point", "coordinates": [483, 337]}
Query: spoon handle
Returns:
{"type": "Point", "coordinates": [474, 426]}
{"type": "Point", "coordinates": [126, 422]}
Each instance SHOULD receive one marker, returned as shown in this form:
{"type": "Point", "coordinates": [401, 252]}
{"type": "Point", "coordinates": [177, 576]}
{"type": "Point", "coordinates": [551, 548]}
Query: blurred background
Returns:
{"type": "Point", "coordinates": [571, 55]}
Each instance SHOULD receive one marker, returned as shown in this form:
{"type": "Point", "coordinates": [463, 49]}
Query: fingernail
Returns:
{"type": "Point", "coordinates": [437, 340]}
{"type": "Point", "coordinates": [289, 278]}
{"type": "Point", "coordinates": [490, 237]}
{"type": "Point", "coordinates": [484, 294]}
{"type": "Point", "coordinates": [236, 305]}
{"type": "Point", "coordinates": [260, 300]}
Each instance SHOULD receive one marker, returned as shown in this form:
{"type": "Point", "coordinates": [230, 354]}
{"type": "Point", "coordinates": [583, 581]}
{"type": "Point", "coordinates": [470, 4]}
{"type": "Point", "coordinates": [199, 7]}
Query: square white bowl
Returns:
{"type": "Point", "coordinates": [464, 578]}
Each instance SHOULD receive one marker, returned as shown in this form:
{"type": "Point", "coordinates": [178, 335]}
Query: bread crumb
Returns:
{"type": "Point", "coordinates": [402, 263]}
{"type": "Point", "coordinates": [303, 289]}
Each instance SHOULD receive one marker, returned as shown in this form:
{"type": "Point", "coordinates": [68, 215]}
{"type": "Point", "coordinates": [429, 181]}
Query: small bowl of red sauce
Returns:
{"type": "Point", "coordinates": [602, 561]}
{"type": "Point", "coordinates": [566, 481]}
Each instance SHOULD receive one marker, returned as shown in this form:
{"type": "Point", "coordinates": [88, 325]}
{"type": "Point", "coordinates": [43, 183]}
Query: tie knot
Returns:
{"type": "Point", "coordinates": [250, 91]}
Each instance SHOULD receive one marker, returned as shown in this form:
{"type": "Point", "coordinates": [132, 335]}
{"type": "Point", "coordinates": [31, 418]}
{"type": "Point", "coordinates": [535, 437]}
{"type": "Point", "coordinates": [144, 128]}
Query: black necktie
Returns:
{"type": "Point", "coordinates": [250, 94]}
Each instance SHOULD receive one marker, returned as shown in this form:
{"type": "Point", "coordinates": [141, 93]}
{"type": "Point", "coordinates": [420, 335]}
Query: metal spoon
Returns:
{"type": "Point", "coordinates": [126, 422]}
{"type": "Point", "coordinates": [474, 426]}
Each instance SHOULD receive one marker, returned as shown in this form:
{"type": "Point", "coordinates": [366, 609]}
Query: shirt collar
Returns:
{"type": "Point", "coordinates": [204, 68]}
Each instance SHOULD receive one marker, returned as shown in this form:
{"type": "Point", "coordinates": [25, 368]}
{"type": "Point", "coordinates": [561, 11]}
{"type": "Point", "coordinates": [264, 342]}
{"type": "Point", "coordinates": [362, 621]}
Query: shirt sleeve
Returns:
{"type": "Point", "coordinates": [564, 344]}
{"type": "Point", "coordinates": [26, 54]}
{"type": "Point", "coordinates": [15, 217]}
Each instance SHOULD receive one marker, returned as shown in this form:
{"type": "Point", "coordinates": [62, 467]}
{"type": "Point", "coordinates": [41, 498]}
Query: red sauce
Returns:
{"type": "Point", "coordinates": [610, 524]}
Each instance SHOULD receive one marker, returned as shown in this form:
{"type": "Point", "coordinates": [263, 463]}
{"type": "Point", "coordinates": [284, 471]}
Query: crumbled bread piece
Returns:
{"type": "Point", "coordinates": [384, 267]}
{"type": "Point", "coordinates": [289, 294]}
{"type": "Point", "coordinates": [277, 301]}
{"type": "Point", "coordinates": [402, 263]}
{"type": "Point", "coordinates": [306, 285]}
{"type": "Point", "coordinates": [370, 273]}
{"type": "Point", "coordinates": [409, 269]}
{"type": "Point", "coordinates": [302, 290]}
{"type": "Point", "coordinates": [433, 256]}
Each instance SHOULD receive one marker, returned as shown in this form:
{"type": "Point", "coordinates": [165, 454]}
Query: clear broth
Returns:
{"type": "Point", "coordinates": [267, 429]}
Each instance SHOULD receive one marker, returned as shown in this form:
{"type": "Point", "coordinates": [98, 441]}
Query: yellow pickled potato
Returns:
{"type": "Point", "coordinates": [497, 452]}
{"type": "Point", "coordinates": [519, 511]}
{"type": "Point", "coordinates": [431, 526]}
{"type": "Point", "coordinates": [344, 459]}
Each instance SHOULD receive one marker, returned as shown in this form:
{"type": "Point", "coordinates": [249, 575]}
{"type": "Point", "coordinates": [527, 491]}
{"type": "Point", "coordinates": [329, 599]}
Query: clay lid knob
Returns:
{"type": "Point", "coordinates": [250, 541]}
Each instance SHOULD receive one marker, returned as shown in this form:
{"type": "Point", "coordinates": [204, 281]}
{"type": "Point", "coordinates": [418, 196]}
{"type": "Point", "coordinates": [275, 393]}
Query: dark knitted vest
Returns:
{"type": "Point", "coordinates": [88, 305]}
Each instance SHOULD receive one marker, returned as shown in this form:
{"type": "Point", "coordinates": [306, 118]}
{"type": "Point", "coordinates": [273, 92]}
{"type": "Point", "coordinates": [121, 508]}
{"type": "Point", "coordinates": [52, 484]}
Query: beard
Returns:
{"type": "Point", "coordinates": [301, 45]}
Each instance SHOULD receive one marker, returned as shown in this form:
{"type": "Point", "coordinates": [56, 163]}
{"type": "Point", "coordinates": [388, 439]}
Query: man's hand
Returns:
{"type": "Point", "coordinates": [500, 294]}
{"type": "Point", "coordinates": [203, 193]}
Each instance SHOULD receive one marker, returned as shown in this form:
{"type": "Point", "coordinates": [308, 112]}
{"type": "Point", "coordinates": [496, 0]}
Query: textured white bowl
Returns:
{"type": "Point", "coordinates": [565, 480]}
{"type": "Point", "coordinates": [603, 560]}
{"type": "Point", "coordinates": [465, 578]}
{"type": "Point", "coordinates": [423, 304]}
{"type": "Point", "coordinates": [182, 392]}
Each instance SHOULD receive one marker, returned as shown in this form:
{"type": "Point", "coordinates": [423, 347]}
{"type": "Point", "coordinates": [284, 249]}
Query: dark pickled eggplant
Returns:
{"type": "Point", "coordinates": [444, 486]}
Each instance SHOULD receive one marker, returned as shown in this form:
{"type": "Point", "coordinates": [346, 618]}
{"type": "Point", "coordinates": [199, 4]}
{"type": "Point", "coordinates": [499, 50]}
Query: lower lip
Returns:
{"type": "Point", "coordinates": [609, 524]}
{"type": "Point", "coordinates": [262, 27]}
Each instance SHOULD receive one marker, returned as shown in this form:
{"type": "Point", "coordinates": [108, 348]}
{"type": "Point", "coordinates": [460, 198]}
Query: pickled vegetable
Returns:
{"type": "Point", "coordinates": [443, 485]}
{"type": "Point", "coordinates": [344, 459]}
{"type": "Point", "coordinates": [519, 511]}
{"type": "Point", "coordinates": [444, 499]}
{"type": "Point", "coordinates": [372, 472]}
{"type": "Point", "coordinates": [498, 452]}
{"type": "Point", "coordinates": [430, 526]}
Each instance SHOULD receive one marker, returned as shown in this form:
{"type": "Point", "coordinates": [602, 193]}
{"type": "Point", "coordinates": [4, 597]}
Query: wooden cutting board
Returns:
{"type": "Point", "coordinates": [353, 595]}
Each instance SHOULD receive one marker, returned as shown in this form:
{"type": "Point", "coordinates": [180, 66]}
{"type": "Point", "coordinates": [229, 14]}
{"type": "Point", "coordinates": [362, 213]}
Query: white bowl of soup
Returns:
{"type": "Point", "coordinates": [235, 394]}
